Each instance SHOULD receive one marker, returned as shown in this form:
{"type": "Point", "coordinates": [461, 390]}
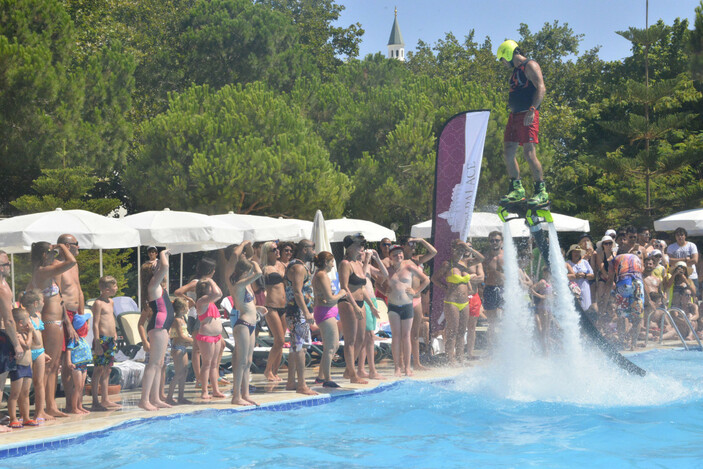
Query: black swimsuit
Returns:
{"type": "Point", "coordinates": [358, 281]}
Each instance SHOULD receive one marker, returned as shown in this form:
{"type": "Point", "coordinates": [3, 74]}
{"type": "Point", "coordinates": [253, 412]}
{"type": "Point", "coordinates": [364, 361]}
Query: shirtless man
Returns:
{"type": "Point", "coordinates": [493, 289]}
{"type": "Point", "coordinates": [418, 316]}
{"type": "Point", "coordinates": [400, 306]}
{"type": "Point", "coordinates": [73, 301]}
{"type": "Point", "coordinates": [8, 336]}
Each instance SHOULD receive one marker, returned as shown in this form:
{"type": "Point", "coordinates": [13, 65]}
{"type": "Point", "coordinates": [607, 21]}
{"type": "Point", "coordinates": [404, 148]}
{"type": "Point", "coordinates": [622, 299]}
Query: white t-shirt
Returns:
{"type": "Point", "coordinates": [684, 252]}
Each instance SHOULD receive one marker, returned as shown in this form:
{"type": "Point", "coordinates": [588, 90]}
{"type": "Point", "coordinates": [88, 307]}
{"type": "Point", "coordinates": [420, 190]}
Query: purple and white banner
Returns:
{"type": "Point", "coordinates": [457, 171]}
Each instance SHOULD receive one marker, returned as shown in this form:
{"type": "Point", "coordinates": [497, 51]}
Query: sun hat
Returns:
{"type": "Point", "coordinates": [575, 247]}
{"type": "Point", "coordinates": [604, 239]}
{"type": "Point", "coordinates": [654, 252]}
{"type": "Point", "coordinates": [610, 233]}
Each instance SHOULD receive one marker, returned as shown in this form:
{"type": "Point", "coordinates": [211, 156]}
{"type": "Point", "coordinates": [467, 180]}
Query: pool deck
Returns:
{"type": "Point", "coordinates": [263, 392]}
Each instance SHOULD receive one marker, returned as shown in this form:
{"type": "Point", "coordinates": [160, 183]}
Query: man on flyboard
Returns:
{"type": "Point", "coordinates": [526, 94]}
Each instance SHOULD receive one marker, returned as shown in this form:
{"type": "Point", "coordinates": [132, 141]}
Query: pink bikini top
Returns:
{"type": "Point", "coordinates": [211, 312]}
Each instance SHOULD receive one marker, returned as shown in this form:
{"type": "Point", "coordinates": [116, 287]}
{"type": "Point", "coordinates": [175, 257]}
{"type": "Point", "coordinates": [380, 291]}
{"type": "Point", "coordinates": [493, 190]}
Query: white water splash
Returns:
{"type": "Point", "coordinates": [577, 373]}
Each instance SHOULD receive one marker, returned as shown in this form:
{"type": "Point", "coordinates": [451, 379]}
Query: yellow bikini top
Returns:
{"type": "Point", "coordinates": [454, 278]}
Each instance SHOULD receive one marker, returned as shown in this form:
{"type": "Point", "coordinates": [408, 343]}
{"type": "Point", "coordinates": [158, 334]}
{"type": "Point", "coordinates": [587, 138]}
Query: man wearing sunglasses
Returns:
{"type": "Point", "coordinates": [73, 302]}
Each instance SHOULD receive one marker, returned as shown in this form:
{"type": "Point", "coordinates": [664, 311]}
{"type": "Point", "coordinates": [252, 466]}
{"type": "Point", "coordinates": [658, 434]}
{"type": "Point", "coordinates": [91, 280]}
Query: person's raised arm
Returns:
{"type": "Point", "coordinates": [60, 267]}
{"type": "Point", "coordinates": [381, 271]}
{"type": "Point", "coordinates": [431, 251]}
{"type": "Point", "coordinates": [214, 294]}
{"type": "Point", "coordinates": [188, 287]}
{"type": "Point", "coordinates": [439, 277]}
{"type": "Point", "coordinates": [251, 278]}
{"type": "Point", "coordinates": [154, 287]}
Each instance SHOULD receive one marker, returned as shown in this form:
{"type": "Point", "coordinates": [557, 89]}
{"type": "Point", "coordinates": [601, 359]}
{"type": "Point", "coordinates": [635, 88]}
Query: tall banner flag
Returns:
{"type": "Point", "coordinates": [457, 171]}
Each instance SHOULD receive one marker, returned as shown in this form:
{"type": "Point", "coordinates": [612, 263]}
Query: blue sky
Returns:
{"type": "Point", "coordinates": [499, 19]}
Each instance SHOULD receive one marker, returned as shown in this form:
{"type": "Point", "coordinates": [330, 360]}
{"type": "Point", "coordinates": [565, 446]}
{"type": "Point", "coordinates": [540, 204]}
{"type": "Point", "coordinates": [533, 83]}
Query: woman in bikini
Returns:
{"type": "Point", "coordinates": [209, 335]}
{"type": "Point", "coordinates": [325, 313]}
{"type": "Point", "coordinates": [351, 308]}
{"type": "Point", "coordinates": [400, 306]}
{"type": "Point", "coordinates": [461, 304]}
{"type": "Point", "coordinates": [157, 331]}
{"type": "Point", "coordinates": [244, 273]}
{"type": "Point", "coordinates": [273, 272]}
{"type": "Point", "coordinates": [45, 278]}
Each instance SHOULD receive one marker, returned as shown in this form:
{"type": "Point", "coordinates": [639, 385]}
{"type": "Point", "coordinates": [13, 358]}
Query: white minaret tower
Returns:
{"type": "Point", "coordinates": [396, 46]}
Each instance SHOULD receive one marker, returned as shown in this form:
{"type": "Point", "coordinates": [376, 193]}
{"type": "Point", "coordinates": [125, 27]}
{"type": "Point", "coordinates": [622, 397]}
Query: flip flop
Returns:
{"type": "Point", "coordinates": [319, 381]}
{"type": "Point", "coordinates": [31, 423]}
{"type": "Point", "coordinates": [330, 384]}
{"type": "Point", "coordinates": [16, 425]}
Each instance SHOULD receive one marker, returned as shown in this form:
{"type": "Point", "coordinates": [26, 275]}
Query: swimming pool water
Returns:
{"type": "Point", "coordinates": [467, 422]}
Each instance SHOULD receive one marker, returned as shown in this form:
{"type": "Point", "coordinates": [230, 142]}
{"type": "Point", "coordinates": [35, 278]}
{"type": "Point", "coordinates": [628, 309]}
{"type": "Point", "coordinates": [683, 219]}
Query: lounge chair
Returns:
{"type": "Point", "coordinates": [129, 340]}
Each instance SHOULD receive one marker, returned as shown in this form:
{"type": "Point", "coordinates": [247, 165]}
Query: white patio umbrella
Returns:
{"type": "Point", "coordinates": [304, 228]}
{"type": "Point", "coordinates": [181, 232]}
{"type": "Point", "coordinates": [322, 243]}
{"type": "Point", "coordinates": [342, 227]}
{"type": "Point", "coordinates": [482, 223]}
{"type": "Point", "coordinates": [690, 220]}
{"type": "Point", "coordinates": [258, 228]}
{"type": "Point", "coordinates": [92, 231]}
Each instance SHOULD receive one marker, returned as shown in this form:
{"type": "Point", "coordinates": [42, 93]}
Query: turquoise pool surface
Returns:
{"type": "Point", "coordinates": [655, 421]}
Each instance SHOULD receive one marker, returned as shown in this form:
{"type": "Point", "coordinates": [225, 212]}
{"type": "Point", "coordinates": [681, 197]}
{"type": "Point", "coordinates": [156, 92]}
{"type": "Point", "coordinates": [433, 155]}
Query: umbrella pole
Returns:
{"type": "Point", "coordinates": [139, 277]}
{"type": "Point", "coordinates": [181, 281]}
{"type": "Point", "coordinates": [101, 262]}
{"type": "Point", "coordinates": [12, 261]}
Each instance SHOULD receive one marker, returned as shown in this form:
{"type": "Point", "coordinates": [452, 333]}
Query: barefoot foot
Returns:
{"type": "Point", "coordinates": [147, 406]}
{"type": "Point", "coordinates": [358, 380]}
{"type": "Point", "coordinates": [307, 391]}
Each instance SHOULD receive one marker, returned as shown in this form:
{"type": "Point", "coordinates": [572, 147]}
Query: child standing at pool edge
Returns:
{"type": "Point", "coordinates": [21, 378]}
{"type": "Point", "coordinates": [33, 302]}
{"type": "Point", "coordinates": [180, 340]}
{"type": "Point", "coordinates": [104, 343]}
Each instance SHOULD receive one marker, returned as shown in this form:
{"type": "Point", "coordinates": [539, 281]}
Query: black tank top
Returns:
{"type": "Point", "coordinates": [522, 90]}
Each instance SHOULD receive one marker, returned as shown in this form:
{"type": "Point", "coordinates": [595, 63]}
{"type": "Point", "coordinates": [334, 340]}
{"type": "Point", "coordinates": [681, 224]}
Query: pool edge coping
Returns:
{"type": "Point", "coordinates": [13, 450]}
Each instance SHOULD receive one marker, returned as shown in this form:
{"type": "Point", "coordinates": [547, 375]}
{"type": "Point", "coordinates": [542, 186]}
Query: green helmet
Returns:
{"type": "Point", "coordinates": [506, 49]}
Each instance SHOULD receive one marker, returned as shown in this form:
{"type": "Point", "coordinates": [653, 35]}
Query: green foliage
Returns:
{"type": "Point", "coordinates": [66, 188]}
{"type": "Point", "coordinates": [240, 148]}
{"type": "Point", "coordinates": [115, 263]}
{"type": "Point", "coordinates": [48, 108]}
{"type": "Point", "coordinates": [313, 19]}
{"type": "Point", "coordinates": [695, 45]}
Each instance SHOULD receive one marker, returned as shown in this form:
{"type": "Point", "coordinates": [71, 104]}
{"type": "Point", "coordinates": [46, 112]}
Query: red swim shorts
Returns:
{"type": "Point", "coordinates": [516, 131]}
{"type": "Point", "coordinates": [475, 305]}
